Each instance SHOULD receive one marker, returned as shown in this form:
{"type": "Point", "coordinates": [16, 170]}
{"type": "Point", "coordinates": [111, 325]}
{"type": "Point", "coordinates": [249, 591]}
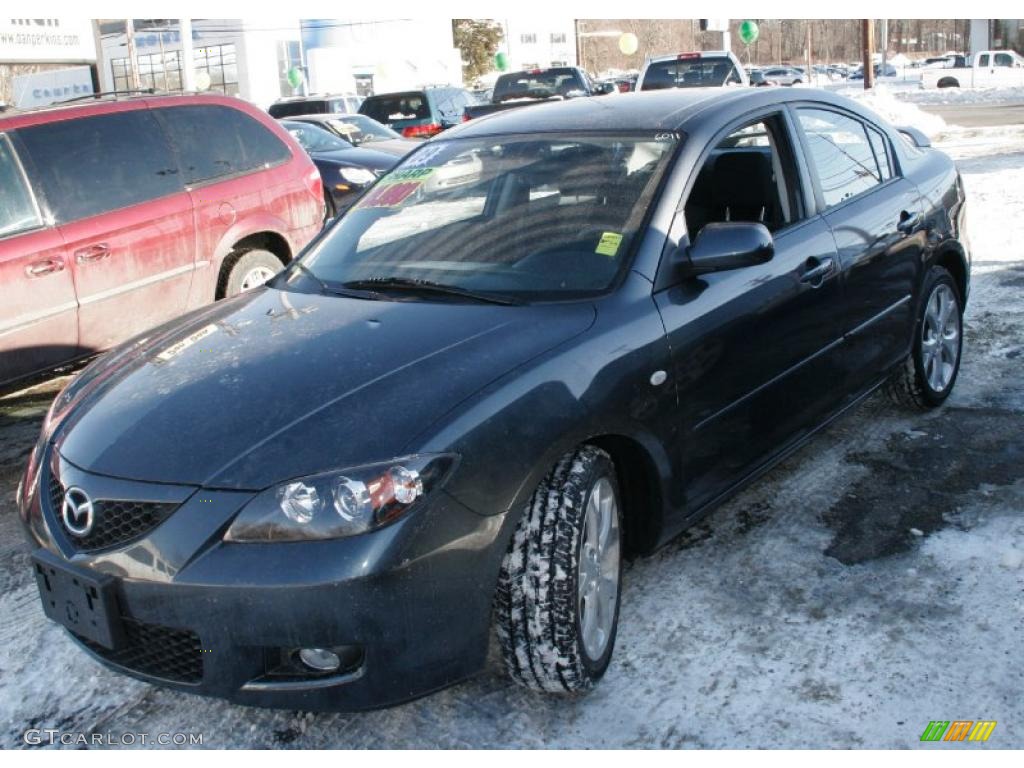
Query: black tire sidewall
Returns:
{"type": "Point", "coordinates": [936, 276]}
{"type": "Point", "coordinates": [595, 668]}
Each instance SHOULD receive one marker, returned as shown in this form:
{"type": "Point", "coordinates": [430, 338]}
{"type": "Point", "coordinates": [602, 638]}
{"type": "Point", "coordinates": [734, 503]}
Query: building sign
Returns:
{"type": "Point", "coordinates": [46, 40]}
{"type": "Point", "coordinates": [40, 89]}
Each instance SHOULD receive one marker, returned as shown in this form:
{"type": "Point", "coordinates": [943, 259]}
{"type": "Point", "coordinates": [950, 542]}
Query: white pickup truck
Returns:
{"type": "Point", "coordinates": [986, 69]}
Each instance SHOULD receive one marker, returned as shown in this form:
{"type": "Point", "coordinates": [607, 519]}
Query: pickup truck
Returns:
{"type": "Point", "coordinates": [986, 69]}
{"type": "Point", "coordinates": [534, 86]}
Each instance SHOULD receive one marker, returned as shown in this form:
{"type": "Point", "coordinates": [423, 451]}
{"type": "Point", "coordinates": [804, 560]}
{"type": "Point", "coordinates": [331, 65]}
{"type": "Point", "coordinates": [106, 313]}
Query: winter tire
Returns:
{"type": "Point", "coordinates": [557, 603]}
{"type": "Point", "coordinates": [927, 376]}
{"type": "Point", "coordinates": [249, 270]}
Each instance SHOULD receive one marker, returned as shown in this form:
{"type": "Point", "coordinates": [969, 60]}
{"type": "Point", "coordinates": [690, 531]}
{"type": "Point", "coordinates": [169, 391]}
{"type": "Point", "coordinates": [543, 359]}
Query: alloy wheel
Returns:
{"type": "Point", "coordinates": [599, 565]}
{"type": "Point", "coordinates": [940, 337]}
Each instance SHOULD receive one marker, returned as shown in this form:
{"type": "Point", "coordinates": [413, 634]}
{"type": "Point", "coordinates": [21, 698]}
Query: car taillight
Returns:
{"type": "Point", "coordinates": [314, 184]}
{"type": "Point", "coordinates": [465, 117]}
{"type": "Point", "coordinates": [688, 56]}
{"type": "Point", "coordinates": [421, 131]}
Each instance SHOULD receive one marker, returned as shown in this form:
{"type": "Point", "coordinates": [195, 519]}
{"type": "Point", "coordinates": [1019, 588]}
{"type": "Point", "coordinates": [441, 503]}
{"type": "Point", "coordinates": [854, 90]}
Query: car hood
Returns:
{"type": "Point", "coordinates": [277, 384]}
{"type": "Point", "coordinates": [358, 156]}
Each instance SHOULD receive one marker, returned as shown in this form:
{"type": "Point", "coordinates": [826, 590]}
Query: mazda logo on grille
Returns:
{"type": "Point", "coordinates": [77, 512]}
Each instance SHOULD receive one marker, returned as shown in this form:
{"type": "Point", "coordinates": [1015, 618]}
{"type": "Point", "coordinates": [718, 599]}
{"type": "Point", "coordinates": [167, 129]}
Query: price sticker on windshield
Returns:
{"type": "Point", "coordinates": [609, 244]}
{"type": "Point", "coordinates": [395, 188]}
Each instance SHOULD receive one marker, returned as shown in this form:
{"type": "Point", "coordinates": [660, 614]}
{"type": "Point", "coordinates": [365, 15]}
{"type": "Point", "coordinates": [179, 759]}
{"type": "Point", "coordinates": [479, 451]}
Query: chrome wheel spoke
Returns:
{"type": "Point", "coordinates": [598, 569]}
{"type": "Point", "coordinates": [940, 337]}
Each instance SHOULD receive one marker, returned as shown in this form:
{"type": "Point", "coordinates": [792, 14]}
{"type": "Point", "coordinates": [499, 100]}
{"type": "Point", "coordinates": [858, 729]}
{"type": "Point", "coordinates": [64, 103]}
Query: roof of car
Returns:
{"type": "Point", "coordinates": [12, 119]}
{"type": "Point", "coordinates": [668, 109]}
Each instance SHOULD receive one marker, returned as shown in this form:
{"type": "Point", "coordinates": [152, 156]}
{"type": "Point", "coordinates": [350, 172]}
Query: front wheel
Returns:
{"type": "Point", "coordinates": [927, 377]}
{"type": "Point", "coordinates": [557, 605]}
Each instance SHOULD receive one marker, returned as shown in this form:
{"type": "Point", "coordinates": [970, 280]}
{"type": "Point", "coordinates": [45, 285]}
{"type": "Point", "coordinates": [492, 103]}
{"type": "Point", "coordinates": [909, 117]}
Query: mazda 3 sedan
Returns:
{"type": "Point", "coordinates": [543, 342]}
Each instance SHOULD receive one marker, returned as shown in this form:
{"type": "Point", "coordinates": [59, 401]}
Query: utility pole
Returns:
{"type": "Point", "coordinates": [885, 43]}
{"type": "Point", "coordinates": [868, 45]}
{"type": "Point", "coordinates": [133, 71]}
{"type": "Point", "coordinates": [810, 62]}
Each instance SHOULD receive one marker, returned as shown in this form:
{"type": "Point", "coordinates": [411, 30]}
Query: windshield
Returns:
{"type": "Point", "coordinates": [708, 71]}
{"type": "Point", "coordinates": [359, 129]}
{"type": "Point", "coordinates": [313, 138]}
{"type": "Point", "coordinates": [534, 218]}
{"type": "Point", "coordinates": [542, 84]}
{"type": "Point", "coordinates": [397, 106]}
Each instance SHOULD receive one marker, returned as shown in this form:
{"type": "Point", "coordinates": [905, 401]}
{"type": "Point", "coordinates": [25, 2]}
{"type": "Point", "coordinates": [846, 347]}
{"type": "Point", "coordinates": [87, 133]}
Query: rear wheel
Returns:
{"type": "Point", "coordinates": [927, 377]}
{"type": "Point", "coordinates": [249, 270]}
{"type": "Point", "coordinates": [557, 605]}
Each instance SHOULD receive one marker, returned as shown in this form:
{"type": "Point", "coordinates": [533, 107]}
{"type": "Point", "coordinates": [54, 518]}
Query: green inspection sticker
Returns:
{"type": "Point", "coordinates": [609, 245]}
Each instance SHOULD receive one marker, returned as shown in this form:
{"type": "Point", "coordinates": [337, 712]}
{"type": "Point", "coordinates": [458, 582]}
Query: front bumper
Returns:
{"type": "Point", "coordinates": [214, 618]}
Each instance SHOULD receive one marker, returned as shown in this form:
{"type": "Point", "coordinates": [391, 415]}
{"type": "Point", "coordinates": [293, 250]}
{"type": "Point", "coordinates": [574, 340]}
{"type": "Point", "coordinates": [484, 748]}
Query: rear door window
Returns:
{"type": "Point", "coordinates": [841, 155]}
{"type": "Point", "coordinates": [18, 211]}
{"type": "Point", "coordinates": [214, 142]}
{"type": "Point", "coordinates": [91, 165]}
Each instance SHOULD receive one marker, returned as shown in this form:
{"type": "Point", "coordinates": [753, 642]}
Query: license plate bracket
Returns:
{"type": "Point", "coordinates": [83, 602]}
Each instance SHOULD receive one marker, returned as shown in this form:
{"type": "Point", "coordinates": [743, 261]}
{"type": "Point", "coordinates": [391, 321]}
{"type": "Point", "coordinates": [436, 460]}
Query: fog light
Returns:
{"type": "Point", "coordinates": [320, 659]}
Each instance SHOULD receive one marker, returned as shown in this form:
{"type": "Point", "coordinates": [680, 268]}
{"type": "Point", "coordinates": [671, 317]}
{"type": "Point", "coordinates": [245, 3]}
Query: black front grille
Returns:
{"type": "Point", "coordinates": [115, 522]}
{"type": "Point", "coordinates": [150, 649]}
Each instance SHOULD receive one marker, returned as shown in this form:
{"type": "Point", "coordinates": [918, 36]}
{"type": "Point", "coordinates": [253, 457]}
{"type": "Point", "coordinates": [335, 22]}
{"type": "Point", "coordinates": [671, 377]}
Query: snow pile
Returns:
{"type": "Point", "coordinates": [965, 95]}
{"type": "Point", "coordinates": [896, 111]}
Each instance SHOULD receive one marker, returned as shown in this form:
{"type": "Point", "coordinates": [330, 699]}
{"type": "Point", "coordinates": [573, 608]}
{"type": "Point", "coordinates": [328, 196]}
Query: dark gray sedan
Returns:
{"type": "Point", "coordinates": [543, 342]}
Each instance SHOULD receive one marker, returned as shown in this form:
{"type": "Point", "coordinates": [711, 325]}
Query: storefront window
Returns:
{"type": "Point", "coordinates": [163, 71]}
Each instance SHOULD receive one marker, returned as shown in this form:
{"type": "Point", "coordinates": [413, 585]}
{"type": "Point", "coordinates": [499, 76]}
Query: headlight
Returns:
{"type": "Point", "coordinates": [340, 503]}
{"type": "Point", "coordinates": [356, 175]}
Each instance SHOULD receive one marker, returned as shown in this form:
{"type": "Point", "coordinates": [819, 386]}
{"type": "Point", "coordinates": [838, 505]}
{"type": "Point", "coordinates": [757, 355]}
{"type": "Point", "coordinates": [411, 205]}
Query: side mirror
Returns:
{"type": "Point", "coordinates": [728, 245]}
{"type": "Point", "coordinates": [605, 88]}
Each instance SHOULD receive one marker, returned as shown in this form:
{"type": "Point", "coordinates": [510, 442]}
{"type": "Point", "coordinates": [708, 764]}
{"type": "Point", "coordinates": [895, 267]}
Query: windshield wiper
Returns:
{"type": "Point", "coordinates": [427, 286]}
{"type": "Point", "coordinates": [326, 288]}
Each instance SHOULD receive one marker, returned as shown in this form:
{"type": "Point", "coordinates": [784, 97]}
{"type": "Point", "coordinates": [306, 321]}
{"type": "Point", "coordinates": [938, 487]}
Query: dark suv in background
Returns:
{"type": "Point", "coordinates": [118, 215]}
{"type": "Point", "coordinates": [290, 106]}
{"type": "Point", "coordinates": [419, 114]}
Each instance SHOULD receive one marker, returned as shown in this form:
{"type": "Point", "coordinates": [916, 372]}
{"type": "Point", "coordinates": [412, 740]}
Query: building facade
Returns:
{"type": "Point", "coordinates": [532, 43]}
{"type": "Point", "coordinates": [45, 60]}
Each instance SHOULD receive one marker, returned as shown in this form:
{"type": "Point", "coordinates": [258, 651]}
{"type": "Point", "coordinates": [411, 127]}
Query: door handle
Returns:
{"type": "Point", "coordinates": [908, 222]}
{"type": "Point", "coordinates": [44, 267]}
{"type": "Point", "coordinates": [818, 270]}
{"type": "Point", "coordinates": [92, 253]}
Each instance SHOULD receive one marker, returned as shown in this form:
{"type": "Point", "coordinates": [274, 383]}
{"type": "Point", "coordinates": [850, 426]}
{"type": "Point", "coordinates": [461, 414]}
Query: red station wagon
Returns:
{"type": "Point", "coordinates": [117, 215]}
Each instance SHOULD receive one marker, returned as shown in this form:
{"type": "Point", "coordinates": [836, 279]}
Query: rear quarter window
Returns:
{"type": "Point", "coordinates": [91, 165]}
{"type": "Point", "coordinates": [214, 141]}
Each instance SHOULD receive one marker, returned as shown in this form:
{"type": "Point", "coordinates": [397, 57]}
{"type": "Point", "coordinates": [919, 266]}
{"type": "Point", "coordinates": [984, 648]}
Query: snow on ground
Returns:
{"type": "Point", "coordinates": [964, 95]}
{"type": "Point", "coordinates": [871, 583]}
{"type": "Point", "coordinates": [898, 112]}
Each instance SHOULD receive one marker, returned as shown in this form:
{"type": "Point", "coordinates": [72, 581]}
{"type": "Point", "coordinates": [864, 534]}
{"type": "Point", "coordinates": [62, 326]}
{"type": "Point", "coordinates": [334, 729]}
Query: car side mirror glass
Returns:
{"type": "Point", "coordinates": [728, 245]}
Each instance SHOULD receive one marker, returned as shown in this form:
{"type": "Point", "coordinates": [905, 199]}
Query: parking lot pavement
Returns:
{"type": "Point", "coordinates": [871, 583]}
